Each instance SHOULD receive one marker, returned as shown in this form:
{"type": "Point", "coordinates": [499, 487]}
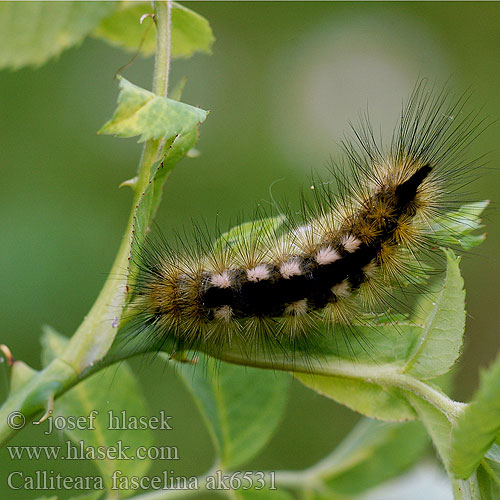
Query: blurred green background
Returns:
{"type": "Point", "coordinates": [282, 84]}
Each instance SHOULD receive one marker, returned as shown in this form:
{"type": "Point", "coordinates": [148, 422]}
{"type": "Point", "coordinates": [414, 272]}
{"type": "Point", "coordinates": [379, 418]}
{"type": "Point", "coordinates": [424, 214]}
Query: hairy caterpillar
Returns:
{"type": "Point", "coordinates": [340, 257]}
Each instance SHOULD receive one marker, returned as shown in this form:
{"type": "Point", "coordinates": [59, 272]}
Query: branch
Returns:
{"type": "Point", "coordinates": [97, 332]}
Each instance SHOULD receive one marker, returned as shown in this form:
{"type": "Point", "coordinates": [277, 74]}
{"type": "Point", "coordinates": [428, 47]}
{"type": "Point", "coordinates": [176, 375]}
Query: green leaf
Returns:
{"type": "Point", "coordinates": [142, 113]}
{"type": "Point", "coordinates": [456, 228]}
{"type": "Point", "coordinates": [420, 269]}
{"type": "Point", "coordinates": [52, 344]}
{"type": "Point", "coordinates": [33, 32]}
{"type": "Point", "coordinates": [114, 390]}
{"type": "Point", "coordinates": [442, 336]}
{"type": "Point", "coordinates": [248, 234]}
{"type": "Point", "coordinates": [437, 425]}
{"type": "Point", "coordinates": [176, 92]}
{"type": "Point", "coordinates": [191, 32]}
{"type": "Point", "coordinates": [478, 425]}
{"type": "Point", "coordinates": [20, 375]}
{"type": "Point", "coordinates": [380, 346]}
{"type": "Point", "coordinates": [388, 343]}
{"type": "Point", "coordinates": [467, 490]}
{"type": "Point", "coordinates": [370, 399]}
{"type": "Point", "coordinates": [372, 453]}
{"type": "Point", "coordinates": [440, 429]}
{"type": "Point", "coordinates": [175, 151]}
{"type": "Point", "coordinates": [488, 474]}
{"type": "Point", "coordinates": [241, 406]}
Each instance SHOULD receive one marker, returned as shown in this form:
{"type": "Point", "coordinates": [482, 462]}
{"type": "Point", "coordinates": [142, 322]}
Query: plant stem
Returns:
{"type": "Point", "coordinates": [95, 335]}
{"type": "Point", "coordinates": [384, 375]}
{"type": "Point", "coordinates": [381, 375]}
{"type": "Point", "coordinates": [163, 47]}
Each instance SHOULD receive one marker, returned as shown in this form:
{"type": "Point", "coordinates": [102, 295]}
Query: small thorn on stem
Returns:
{"type": "Point", "coordinates": [145, 16]}
{"type": "Point", "coordinates": [48, 412]}
{"type": "Point", "coordinates": [7, 354]}
{"type": "Point", "coordinates": [130, 182]}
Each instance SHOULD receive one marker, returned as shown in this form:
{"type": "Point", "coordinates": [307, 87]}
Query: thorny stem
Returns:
{"type": "Point", "coordinates": [163, 18]}
{"type": "Point", "coordinates": [84, 347]}
{"type": "Point", "coordinates": [95, 335]}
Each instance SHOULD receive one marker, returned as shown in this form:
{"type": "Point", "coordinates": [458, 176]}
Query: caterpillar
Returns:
{"type": "Point", "coordinates": [360, 237]}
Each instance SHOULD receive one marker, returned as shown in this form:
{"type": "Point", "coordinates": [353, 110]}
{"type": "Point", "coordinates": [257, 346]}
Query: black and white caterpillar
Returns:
{"type": "Point", "coordinates": [340, 258]}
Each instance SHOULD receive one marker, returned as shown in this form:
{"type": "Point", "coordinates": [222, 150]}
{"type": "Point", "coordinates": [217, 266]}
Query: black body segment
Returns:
{"type": "Point", "coordinates": [270, 297]}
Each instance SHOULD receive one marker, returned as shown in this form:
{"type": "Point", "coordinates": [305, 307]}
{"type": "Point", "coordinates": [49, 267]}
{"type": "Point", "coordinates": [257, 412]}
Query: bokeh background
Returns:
{"type": "Point", "coordinates": [282, 84]}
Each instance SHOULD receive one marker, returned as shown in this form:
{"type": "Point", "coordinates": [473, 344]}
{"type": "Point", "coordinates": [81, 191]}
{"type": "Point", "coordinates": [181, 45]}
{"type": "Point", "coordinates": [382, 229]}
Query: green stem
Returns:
{"type": "Point", "coordinates": [163, 47]}
{"type": "Point", "coordinates": [385, 375]}
{"type": "Point", "coordinates": [381, 375]}
{"type": "Point", "coordinates": [467, 489]}
{"type": "Point", "coordinates": [95, 335]}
